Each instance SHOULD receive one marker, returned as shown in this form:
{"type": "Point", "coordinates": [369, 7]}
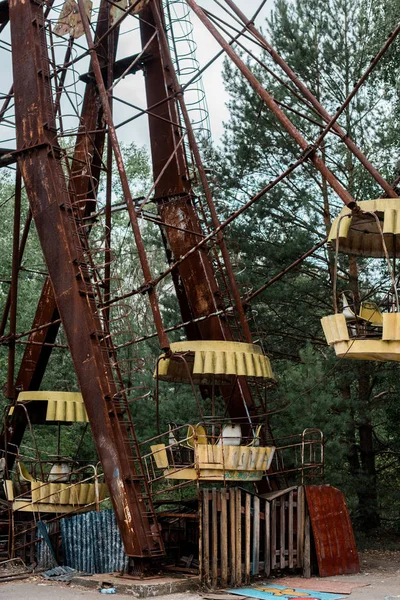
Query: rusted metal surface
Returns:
{"type": "Point", "coordinates": [195, 281]}
{"type": "Point", "coordinates": [113, 139]}
{"type": "Point", "coordinates": [230, 276]}
{"type": "Point", "coordinates": [47, 190]}
{"type": "Point", "coordinates": [332, 531]}
{"type": "Point", "coordinates": [41, 343]}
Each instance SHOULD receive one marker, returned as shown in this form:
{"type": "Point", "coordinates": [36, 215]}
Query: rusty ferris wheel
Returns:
{"type": "Point", "coordinates": [65, 142]}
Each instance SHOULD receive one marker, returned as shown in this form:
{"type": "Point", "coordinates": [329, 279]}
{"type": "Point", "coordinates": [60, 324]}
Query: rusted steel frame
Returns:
{"type": "Point", "coordinates": [14, 285]}
{"type": "Point", "coordinates": [111, 86]}
{"type": "Point", "coordinates": [165, 135]}
{"type": "Point", "coordinates": [203, 177]}
{"type": "Point", "coordinates": [42, 344]}
{"type": "Point", "coordinates": [118, 22]}
{"type": "Point", "coordinates": [47, 192]}
{"type": "Point", "coordinates": [208, 237]}
{"type": "Point", "coordinates": [269, 101]}
{"type": "Point", "coordinates": [163, 339]}
{"type": "Point", "coordinates": [17, 336]}
{"type": "Point", "coordinates": [229, 220]}
{"type": "Point", "coordinates": [313, 100]}
{"type": "Point", "coordinates": [34, 362]}
{"type": "Point", "coordinates": [286, 270]}
{"type": "Point", "coordinates": [109, 174]}
{"type": "Point", "coordinates": [150, 114]}
{"type": "Point", "coordinates": [24, 237]}
{"type": "Point", "coordinates": [187, 84]}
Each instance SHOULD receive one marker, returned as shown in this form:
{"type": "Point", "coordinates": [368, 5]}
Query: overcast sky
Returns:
{"type": "Point", "coordinates": [132, 87]}
{"type": "Point", "coordinates": [207, 47]}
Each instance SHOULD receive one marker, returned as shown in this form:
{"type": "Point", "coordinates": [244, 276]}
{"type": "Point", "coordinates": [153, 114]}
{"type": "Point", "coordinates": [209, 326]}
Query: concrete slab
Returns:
{"type": "Point", "coordinates": [141, 588]}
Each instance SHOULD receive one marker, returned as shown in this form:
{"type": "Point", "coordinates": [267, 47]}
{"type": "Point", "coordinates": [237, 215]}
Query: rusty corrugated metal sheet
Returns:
{"type": "Point", "coordinates": [332, 530]}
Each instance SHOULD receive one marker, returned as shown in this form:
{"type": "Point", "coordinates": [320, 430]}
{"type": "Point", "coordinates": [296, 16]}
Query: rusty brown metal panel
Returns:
{"type": "Point", "coordinates": [332, 531]}
{"type": "Point", "coordinates": [49, 201]}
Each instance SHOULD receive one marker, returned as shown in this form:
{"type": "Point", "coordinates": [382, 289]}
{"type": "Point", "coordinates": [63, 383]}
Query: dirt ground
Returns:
{"type": "Point", "coordinates": [380, 572]}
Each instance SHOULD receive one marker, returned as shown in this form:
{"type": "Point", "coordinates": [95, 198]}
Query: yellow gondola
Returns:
{"type": "Point", "coordinates": [61, 491]}
{"type": "Point", "coordinates": [215, 449]}
{"type": "Point", "coordinates": [362, 330]}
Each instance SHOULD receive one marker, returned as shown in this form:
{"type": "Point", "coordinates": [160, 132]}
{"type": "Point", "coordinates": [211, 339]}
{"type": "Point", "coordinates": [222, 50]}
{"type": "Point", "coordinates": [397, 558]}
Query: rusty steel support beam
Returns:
{"type": "Point", "coordinates": [85, 180]}
{"type": "Point", "coordinates": [169, 66]}
{"type": "Point", "coordinates": [113, 139]}
{"type": "Point", "coordinates": [352, 146]}
{"type": "Point", "coordinates": [40, 160]}
{"type": "Point", "coordinates": [34, 361]}
{"type": "Point", "coordinates": [10, 392]}
{"type": "Point", "coordinates": [275, 109]}
{"type": "Point", "coordinates": [194, 278]}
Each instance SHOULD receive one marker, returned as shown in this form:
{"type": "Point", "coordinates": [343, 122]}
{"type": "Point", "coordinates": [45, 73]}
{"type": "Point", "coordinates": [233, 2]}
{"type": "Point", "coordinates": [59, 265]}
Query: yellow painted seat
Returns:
{"type": "Point", "coordinates": [369, 311]}
{"type": "Point", "coordinates": [196, 434]}
{"type": "Point", "coordinates": [256, 439]}
{"type": "Point", "coordinates": [384, 347]}
{"type": "Point", "coordinates": [24, 473]}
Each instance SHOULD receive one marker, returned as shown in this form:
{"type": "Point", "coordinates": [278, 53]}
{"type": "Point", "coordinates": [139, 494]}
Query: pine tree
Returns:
{"type": "Point", "coordinates": [329, 45]}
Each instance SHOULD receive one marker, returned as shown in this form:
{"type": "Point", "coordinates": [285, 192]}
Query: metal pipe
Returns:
{"type": "Point", "coordinates": [14, 285]}
{"type": "Point", "coordinates": [360, 82]}
{"type": "Point", "coordinates": [275, 109]}
{"type": "Point", "coordinates": [24, 237]}
{"type": "Point", "coordinates": [313, 100]}
{"type": "Point", "coordinates": [287, 269]}
{"type": "Point", "coordinates": [163, 339]}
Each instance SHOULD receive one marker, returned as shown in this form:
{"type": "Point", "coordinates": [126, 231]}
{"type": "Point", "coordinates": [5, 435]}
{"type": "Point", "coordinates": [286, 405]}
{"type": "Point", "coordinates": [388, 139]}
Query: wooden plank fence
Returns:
{"type": "Point", "coordinates": [243, 535]}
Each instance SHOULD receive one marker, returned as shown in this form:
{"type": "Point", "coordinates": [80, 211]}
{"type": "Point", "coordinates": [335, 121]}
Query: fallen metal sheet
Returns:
{"type": "Point", "coordinates": [60, 574]}
{"type": "Point", "coordinates": [332, 530]}
{"type": "Point", "coordinates": [268, 592]}
{"type": "Point", "coordinates": [318, 585]}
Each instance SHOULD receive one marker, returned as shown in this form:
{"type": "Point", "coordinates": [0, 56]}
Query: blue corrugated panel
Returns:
{"type": "Point", "coordinates": [45, 555]}
{"type": "Point", "coordinates": [92, 543]}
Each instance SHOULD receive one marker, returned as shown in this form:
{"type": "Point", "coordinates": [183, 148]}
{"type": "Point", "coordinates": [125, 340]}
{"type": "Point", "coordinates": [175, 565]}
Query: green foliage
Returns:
{"type": "Point", "coordinates": [329, 46]}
